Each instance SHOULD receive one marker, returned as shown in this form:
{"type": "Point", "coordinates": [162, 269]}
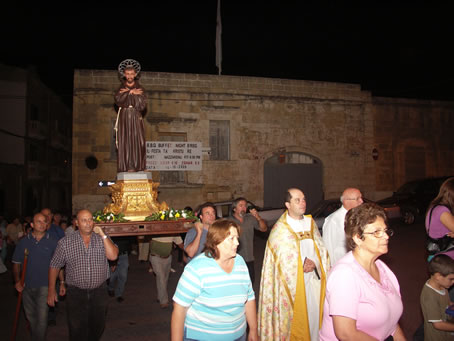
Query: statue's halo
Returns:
{"type": "Point", "coordinates": [128, 62]}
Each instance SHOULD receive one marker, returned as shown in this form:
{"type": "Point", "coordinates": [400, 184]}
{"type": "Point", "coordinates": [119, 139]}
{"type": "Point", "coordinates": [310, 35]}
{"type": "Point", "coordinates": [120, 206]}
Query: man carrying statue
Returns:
{"type": "Point", "coordinates": [130, 133]}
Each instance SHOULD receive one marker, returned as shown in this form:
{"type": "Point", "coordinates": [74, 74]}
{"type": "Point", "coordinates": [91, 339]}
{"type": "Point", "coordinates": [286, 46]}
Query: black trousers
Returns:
{"type": "Point", "coordinates": [86, 310]}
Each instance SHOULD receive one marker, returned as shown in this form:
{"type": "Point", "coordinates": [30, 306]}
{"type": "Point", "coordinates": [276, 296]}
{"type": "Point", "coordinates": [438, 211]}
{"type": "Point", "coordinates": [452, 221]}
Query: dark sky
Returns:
{"type": "Point", "coordinates": [400, 49]}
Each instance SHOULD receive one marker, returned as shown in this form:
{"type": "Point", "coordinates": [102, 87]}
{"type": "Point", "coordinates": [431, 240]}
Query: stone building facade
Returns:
{"type": "Point", "coordinates": [414, 138]}
{"type": "Point", "coordinates": [262, 135]}
{"type": "Point", "coordinates": [35, 139]}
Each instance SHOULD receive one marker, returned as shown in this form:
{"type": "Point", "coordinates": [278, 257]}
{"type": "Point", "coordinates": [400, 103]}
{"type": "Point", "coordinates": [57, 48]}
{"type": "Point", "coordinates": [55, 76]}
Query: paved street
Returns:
{"type": "Point", "coordinates": [139, 317]}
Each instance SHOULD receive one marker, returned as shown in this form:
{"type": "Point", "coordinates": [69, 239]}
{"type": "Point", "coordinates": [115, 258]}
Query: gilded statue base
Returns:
{"type": "Point", "coordinates": [135, 198]}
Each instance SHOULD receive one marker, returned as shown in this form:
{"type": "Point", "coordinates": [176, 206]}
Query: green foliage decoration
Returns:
{"type": "Point", "coordinates": [171, 214]}
{"type": "Point", "coordinates": [100, 217]}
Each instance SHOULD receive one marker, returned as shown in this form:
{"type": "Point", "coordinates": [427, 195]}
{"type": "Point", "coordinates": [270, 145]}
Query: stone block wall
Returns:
{"type": "Point", "coordinates": [414, 140]}
{"type": "Point", "coordinates": [336, 123]}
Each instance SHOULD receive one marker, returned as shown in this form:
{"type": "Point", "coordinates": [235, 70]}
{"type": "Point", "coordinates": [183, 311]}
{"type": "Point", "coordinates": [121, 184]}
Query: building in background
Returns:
{"type": "Point", "coordinates": [261, 136]}
{"type": "Point", "coordinates": [35, 140]}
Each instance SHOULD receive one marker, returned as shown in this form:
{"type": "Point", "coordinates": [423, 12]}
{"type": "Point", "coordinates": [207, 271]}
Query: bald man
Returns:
{"type": "Point", "coordinates": [333, 228]}
{"type": "Point", "coordinates": [84, 254]}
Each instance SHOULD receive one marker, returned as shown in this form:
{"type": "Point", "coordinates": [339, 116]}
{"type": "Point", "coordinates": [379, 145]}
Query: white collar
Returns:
{"type": "Point", "coordinates": [441, 292]}
{"type": "Point", "coordinates": [299, 225]}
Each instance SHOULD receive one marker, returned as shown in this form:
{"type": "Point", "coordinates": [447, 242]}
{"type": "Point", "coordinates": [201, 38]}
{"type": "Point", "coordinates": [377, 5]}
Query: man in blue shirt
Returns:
{"type": "Point", "coordinates": [55, 231]}
{"type": "Point", "coordinates": [194, 242]}
{"type": "Point", "coordinates": [40, 248]}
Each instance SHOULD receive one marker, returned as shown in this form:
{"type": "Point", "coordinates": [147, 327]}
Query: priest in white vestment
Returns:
{"type": "Point", "coordinates": [292, 287]}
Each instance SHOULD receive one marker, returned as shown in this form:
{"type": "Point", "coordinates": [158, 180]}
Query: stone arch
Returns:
{"type": "Point", "coordinates": [292, 167]}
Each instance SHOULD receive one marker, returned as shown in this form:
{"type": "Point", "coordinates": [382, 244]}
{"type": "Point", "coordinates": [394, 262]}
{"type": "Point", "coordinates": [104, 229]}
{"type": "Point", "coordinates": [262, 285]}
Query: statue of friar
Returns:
{"type": "Point", "coordinates": [132, 103]}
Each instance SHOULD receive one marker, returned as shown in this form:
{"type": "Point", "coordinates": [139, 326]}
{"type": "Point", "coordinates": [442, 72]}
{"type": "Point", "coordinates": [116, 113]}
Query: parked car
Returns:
{"type": "Point", "coordinates": [270, 215]}
{"type": "Point", "coordinates": [327, 206]}
{"type": "Point", "coordinates": [412, 199]}
{"type": "Point", "coordinates": [323, 209]}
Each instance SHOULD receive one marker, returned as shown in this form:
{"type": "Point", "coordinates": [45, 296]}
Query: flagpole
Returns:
{"type": "Point", "coordinates": [218, 39]}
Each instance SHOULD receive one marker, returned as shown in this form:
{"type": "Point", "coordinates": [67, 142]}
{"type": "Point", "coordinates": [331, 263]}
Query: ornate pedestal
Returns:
{"type": "Point", "coordinates": [135, 195]}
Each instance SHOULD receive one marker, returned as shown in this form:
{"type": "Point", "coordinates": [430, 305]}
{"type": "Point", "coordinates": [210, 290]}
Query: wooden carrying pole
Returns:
{"type": "Point", "coordinates": [19, 296]}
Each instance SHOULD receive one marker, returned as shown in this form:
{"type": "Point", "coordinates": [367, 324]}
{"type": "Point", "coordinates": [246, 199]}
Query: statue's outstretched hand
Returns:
{"type": "Point", "coordinates": [136, 92]}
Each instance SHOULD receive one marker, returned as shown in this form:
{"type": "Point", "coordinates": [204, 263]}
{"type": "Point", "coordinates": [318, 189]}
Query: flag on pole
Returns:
{"type": "Point", "coordinates": [218, 39]}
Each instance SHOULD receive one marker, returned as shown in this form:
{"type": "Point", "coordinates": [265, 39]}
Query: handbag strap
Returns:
{"type": "Point", "coordinates": [430, 219]}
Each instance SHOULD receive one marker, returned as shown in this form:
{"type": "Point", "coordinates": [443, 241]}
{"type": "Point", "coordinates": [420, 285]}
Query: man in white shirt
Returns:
{"type": "Point", "coordinates": [333, 228]}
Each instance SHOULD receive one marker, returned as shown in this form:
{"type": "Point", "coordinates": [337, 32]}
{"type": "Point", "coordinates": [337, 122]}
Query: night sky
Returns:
{"type": "Point", "coordinates": [397, 49]}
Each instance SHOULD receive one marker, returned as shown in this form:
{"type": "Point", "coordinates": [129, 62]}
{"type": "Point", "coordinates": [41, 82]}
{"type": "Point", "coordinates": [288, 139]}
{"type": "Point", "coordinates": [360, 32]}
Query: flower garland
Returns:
{"type": "Point", "coordinates": [171, 214]}
{"type": "Point", "coordinates": [100, 217]}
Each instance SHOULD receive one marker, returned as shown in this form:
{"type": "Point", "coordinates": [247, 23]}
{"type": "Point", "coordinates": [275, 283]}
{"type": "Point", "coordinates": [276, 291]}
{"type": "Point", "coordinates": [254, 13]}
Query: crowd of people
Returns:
{"type": "Point", "coordinates": [312, 287]}
{"type": "Point", "coordinates": [302, 296]}
{"type": "Point", "coordinates": [12, 230]}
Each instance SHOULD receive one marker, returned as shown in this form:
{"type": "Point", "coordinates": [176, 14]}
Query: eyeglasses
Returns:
{"type": "Point", "coordinates": [356, 199]}
{"type": "Point", "coordinates": [381, 233]}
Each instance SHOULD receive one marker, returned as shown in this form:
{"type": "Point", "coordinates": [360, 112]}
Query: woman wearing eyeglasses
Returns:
{"type": "Point", "coordinates": [363, 299]}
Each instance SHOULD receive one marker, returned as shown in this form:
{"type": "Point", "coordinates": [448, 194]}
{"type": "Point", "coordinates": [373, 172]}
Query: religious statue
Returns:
{"type": "Point", "coordinates": [130, 133]}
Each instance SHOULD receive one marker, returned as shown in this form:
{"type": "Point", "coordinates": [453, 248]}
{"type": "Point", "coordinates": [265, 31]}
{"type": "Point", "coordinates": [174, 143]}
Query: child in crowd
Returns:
{"type": "Point", "coordinates": [438, 325]}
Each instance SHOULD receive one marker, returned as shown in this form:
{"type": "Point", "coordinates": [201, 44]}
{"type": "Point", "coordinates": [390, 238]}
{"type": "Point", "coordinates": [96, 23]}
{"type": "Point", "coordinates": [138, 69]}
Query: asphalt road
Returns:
{"type": "Point", "coordinates": [139, 316]}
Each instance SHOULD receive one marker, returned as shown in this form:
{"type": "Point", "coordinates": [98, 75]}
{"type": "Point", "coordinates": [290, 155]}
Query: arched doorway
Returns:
{"type": "Point", "coordinates": [292, 169]}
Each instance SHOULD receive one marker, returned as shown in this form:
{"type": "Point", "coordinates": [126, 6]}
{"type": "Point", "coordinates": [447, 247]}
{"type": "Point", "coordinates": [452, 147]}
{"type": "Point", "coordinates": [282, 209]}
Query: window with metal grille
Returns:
{"type": "Point", "coordinates": [220, 140]}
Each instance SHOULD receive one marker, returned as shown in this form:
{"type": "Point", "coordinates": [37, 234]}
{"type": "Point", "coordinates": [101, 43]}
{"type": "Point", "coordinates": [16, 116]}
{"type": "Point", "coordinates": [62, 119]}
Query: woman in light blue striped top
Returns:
{"type": "Point", "coordinates": [214, 298]}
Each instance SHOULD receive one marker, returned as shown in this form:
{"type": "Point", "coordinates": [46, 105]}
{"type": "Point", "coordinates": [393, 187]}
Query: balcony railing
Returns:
{"type": "Point", "coordinates": [37, 130]}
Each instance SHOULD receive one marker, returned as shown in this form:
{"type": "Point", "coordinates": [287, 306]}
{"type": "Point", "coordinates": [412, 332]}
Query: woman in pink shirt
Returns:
{"type": "Point", "coordinates": [439, 217]}
{"type": "Point", "coordinates": [362, 294]}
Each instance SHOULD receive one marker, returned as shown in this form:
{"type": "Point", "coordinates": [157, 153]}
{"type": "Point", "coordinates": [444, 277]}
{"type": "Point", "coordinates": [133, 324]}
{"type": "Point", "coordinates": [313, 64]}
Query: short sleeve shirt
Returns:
{"type": "Point", "coordinates": [334, 235]}
{"type": "Point", "coordinates": [39, 255]}
{"type": "Point", "coordinates": [86, 267]}
{"type": "Point", "coordinates": [190, 236]}
{"type": "Point", "coordinates": [437, 229]}
{"type": "Point", "coordinates": [246, 247]}
{"type": "Point", "coordinates": [215, 299]}
{"type": "Point", "coordinates": [351, 292]}
{"type": "Point", "coordinates": [433, 306]}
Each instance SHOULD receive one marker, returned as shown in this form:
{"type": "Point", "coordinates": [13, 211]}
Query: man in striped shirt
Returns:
{"type": "Point", "coordinates": [85, 253]}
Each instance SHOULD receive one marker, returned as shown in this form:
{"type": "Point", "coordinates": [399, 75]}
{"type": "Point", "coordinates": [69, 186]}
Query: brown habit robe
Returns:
{"type": "Point", "coordinates": [131, 133]}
